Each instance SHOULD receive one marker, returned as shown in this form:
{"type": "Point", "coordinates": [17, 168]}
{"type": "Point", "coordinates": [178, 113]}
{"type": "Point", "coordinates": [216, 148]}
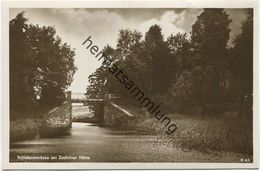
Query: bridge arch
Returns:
{"type": "Point", "coordinates": [99, 104]}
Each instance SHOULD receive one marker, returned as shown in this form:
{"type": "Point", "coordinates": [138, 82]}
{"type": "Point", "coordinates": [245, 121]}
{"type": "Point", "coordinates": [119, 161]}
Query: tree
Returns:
{"type": "Point", "coordinates": [209, 37]}
{"type": "Point", "coordinates": [128, 41]}
{"type": "Point", "coordinates": [182, 89]}
{"type": "Point", "coordinates": [97, 87]}
{"type": "Point", "coordinates": [41, 66]}
{"type": "Point", "coordinates": [135, 60]}
{"type": "Point", "coordinates": [241, 63]}
{"type": "Point", "coordinates": [193, 87]}
{"type": "Point", "coordinates": [101, 81]}
{"type": "Point", "coordinates": [157, 53]}
{"type": "Point", "coordinates": [128, 55]}
{"type": "Point", "coordinates": [181, 56]}
{"type": "Point", "coordinates": [54, 63]}
{"type": "Point", "coordinates": [21, 64]}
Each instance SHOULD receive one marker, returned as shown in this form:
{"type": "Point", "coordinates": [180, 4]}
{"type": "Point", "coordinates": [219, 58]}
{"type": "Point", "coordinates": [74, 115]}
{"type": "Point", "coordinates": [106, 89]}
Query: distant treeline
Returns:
{"type": "Point", "coordinates": [189, 70]}
{"type": "Point", "coordinates": [41, 66]}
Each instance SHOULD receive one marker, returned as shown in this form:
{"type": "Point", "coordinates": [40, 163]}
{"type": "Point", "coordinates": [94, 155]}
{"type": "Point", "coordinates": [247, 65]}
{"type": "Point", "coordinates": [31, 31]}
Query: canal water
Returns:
{"type": "Point", "coordinates": [83, 142]}
{"type": "Point", "coordinates": [86, 142]}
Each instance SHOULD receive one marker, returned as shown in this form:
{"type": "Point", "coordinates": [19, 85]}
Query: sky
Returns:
{"type": "Point", "coordinates": [74, 26]}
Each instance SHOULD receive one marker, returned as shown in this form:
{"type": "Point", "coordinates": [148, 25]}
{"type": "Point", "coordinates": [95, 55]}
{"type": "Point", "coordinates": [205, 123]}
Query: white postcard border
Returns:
{"type": "Point", "coordinates": [124, 4]}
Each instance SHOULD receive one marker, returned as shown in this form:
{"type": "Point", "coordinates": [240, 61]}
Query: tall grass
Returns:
{"type": "Point", "coordinates": [23, 129]}
{"type": "Point", "coordinates": [24, 124]}
{"type": "Point", "coordinates": [219, 133]}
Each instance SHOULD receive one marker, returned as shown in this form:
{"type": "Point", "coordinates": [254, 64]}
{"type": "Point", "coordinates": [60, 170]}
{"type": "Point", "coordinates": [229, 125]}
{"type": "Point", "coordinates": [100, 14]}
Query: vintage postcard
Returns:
{"type": "Point", "coordinates": [130, 84]}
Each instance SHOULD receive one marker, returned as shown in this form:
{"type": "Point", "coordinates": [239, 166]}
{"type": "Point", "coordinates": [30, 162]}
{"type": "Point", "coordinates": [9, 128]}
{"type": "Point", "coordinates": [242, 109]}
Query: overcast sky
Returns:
{"type": "Point", "coordinates": [75, 25]}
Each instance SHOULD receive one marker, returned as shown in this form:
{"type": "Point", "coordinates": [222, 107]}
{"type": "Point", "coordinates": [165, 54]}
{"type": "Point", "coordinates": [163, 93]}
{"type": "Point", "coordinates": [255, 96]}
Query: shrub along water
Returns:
{"type": "Point", "coordinates": [24, 129]}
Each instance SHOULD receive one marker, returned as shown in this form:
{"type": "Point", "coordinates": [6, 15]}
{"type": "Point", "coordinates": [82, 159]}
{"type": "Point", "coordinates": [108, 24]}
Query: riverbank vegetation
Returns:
{"type": "Point", "coordinates": [23, 129]}
{"type": "Point", "coordinates": [41, 68]}
{"type": "Point", "coordinates": [203, 80]}
{"type": "Point", "coordinates": [209, 133]}
{"type": "Point", "coordinates": [206, 134]}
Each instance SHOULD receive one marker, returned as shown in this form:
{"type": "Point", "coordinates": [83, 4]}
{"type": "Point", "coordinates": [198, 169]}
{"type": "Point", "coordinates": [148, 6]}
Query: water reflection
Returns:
{"type": "Point", "coordinates": [81, 112]}
{"type": "Point", "coordinates": [55, 132]}
{"type": "Point", "coordinates": [81, 130]}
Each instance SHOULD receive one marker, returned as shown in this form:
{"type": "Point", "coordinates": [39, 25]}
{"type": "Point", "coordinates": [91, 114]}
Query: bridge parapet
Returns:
{"type": "Point", "coordinates": [106, 111]}
{"type": "Point", "coordinates": [116, 115]}
{"type": "Point", "coordinates": [59, 117]}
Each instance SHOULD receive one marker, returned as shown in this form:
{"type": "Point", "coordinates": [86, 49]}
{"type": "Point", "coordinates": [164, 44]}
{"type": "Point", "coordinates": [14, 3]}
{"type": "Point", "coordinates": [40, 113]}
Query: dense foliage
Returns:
{"type": "Point", "coordinates": [41, 66]}
{"type": "Point", "coordinates": [189, 69]}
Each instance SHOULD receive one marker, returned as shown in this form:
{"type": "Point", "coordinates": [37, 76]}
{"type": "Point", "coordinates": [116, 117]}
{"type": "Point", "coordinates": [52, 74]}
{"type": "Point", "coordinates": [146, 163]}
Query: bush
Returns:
{"type": "Point", "coordinates": [23, 129]}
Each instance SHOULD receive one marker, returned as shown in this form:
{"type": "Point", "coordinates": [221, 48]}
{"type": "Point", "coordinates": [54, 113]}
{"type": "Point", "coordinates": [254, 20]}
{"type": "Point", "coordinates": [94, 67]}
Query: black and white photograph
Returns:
{"type": "Point", "coordinates": [131, 85]}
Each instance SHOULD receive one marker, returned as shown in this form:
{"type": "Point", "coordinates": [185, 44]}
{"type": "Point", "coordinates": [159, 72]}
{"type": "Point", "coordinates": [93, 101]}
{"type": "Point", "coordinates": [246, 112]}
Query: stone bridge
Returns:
{"type": "Point", "coordinates": [61, 117]}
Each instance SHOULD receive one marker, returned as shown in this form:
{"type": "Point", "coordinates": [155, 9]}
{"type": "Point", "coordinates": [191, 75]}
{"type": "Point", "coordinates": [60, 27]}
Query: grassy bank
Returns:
{"type": "Point", "coordinates": [229, 134]}
{"type": "Point", "coordinates": [22, 129]}
{"type": "Point", "coordinates": [206, 134]}
{"type": "Point", "coordinates": [24, 124]}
